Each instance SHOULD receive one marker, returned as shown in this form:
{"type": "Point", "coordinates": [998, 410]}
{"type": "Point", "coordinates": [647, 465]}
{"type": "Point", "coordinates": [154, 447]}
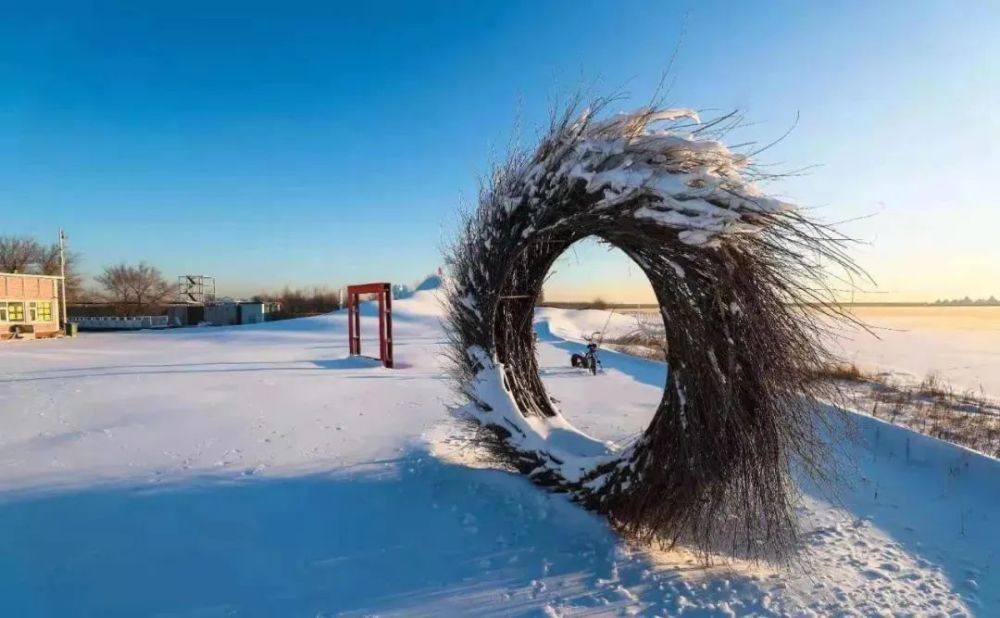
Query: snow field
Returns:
{"type": "Point", "coordinates": [257, 471]}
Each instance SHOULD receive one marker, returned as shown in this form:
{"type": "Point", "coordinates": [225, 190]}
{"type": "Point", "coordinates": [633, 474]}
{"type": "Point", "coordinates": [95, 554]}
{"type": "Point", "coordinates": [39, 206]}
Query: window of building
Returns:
{"type": "Point", "coordinates": [32, 312]}
{"type": "Point", "coordinates": [45, 311]}
{"type": "Point", "coordinates": [3, 312]}
{"type": "Point", "coordinates": [15, 312]}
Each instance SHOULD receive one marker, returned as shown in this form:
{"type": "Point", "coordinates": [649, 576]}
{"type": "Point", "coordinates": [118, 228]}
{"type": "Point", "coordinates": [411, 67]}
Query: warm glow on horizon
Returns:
{"type": "Point", "coordinates": [617, 295]}
{"type": "Point", "coordinates": [589, 270]}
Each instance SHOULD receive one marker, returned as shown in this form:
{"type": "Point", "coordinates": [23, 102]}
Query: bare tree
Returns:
{"type": "Point", "coordinates": [48, 259]}
{"type": "Point", "coordinates": [23, 254]}
{"type": "Point", "coordinates": [134, 289]}
{"type": "Point", "coordinates": [18, 253]}
{"type": "Point", "coordinates": [297, 303]}
{"type": "Point", "coordinates": [48, 264]}
{"type": "Point", "coordinates": [714, 468]}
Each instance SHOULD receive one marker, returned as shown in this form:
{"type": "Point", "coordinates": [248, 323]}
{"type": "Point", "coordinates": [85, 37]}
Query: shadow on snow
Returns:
{"type": "Point", "coordinates": [414, 535]}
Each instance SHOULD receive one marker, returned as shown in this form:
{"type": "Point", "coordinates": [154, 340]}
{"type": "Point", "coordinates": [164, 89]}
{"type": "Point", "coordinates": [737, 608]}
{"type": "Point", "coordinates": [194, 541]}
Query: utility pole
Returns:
{"type": "Point", "coordinates": [62, 273]}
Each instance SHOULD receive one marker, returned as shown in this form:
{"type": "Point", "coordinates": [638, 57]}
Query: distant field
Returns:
{"type": "Point", "coordinates": [960, 345]}
{"type": "Point", "coordinates": [932, 317]}
{"type": "Point", "coordinates": [964, 317]}
{"type": "Point", "coordinates": [612, 306]}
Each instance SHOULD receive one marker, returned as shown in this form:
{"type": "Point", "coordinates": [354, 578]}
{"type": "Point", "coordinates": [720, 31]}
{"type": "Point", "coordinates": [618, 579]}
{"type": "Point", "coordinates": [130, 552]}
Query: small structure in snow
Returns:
{"type": "Point", "coordinates": [383, 291]}
{"type": "Point", "coordinates": [732, 269]}
{"type": "Point", "coordinates": [225, 312]}
{"type": "Point", "coordinates": [29, 306]}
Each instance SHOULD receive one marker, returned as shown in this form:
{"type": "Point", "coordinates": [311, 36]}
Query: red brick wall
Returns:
{"type": "Point", "coordinates": [28, 288]}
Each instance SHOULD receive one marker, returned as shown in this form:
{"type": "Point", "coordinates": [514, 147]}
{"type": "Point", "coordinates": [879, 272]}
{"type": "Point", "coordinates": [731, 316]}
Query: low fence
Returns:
{"type": "Point", "coordinates": [113, 323]}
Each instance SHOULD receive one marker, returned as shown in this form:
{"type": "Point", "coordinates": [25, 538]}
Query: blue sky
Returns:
{"type": "Point", "coordinates": [318, 144]}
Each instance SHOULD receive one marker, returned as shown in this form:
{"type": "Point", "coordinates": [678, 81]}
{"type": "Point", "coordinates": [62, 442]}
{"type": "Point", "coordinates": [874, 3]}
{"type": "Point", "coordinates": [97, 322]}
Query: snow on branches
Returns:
{"type": "Point", "coordinates": [732, 269]}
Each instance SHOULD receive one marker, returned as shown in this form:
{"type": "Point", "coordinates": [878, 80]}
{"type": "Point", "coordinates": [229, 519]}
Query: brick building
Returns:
{"type": "Point", "coordinates": [29, 305]}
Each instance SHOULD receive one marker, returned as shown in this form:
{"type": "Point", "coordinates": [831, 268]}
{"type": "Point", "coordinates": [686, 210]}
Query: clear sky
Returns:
{"type": "Point", "coordinates": [322, 143]}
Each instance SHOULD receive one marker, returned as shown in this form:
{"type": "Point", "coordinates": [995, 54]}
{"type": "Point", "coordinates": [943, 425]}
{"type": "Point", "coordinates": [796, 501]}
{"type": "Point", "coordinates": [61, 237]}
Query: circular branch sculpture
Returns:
{"type": "Point", "coordinates": [731, 269]}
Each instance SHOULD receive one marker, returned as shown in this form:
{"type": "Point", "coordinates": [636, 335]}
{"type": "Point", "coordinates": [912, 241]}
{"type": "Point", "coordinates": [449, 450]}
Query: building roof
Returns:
{"type": "Point", "coordinates": [33, 276]}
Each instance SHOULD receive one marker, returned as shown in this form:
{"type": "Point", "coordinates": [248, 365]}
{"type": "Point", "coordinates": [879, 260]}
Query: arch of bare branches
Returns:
{"type": "Point", "coordinates": [732, 270]}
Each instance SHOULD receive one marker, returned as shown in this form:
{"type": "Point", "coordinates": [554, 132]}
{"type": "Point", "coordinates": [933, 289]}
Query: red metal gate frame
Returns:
{"type": "Point", "coordinates": [384, 293]}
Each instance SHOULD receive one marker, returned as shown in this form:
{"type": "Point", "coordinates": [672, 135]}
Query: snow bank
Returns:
{"type": "Point", "coordinates": [402, 291]}
{"type": "Point", "coordinates": [577, 324]}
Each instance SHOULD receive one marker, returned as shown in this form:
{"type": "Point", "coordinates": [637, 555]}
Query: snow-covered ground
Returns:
{"type": "Point", "coordinates": [958, 345]}
{"type": "Point", "coordinates": [256, 471]}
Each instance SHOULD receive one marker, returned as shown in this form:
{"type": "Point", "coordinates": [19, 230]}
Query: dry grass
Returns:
{"type": "Point", "coordinates": [931, 406]}
{"type": "Point", "coordinates": [933, 388]}
{"type": "Point", "coordinates": [841, 371]}
{"type": "Point", "coordinates": [647, 340]}
{"type": "Point", "coordinates": [640, 343]}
